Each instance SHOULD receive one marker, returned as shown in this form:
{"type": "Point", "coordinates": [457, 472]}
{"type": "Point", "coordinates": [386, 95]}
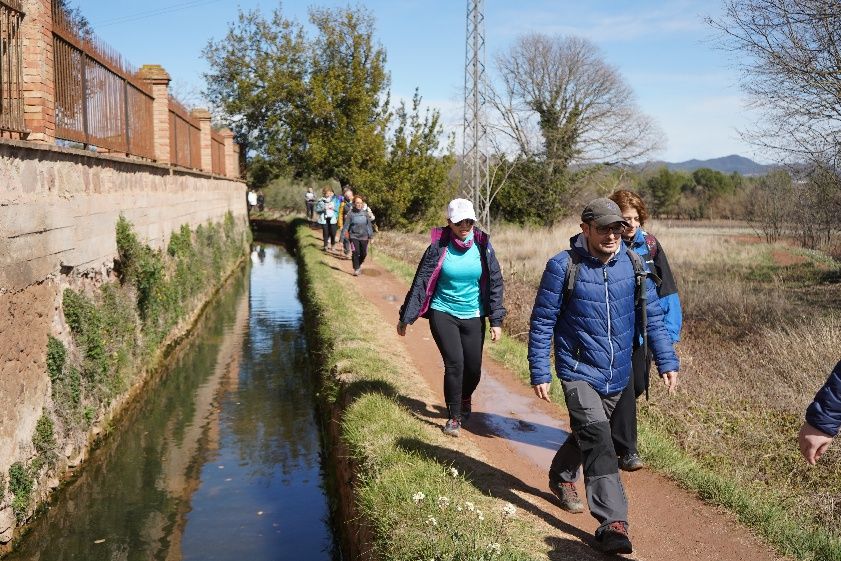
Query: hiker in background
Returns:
{"type": "Point", "coordinates": [327, 210]}
{"type": "Point", "coordinates": [309, 202]}
{"type": "Point", "coordinates": [823, 419]}
{"type": "Point", "coordinates": [252, 200]}
{"type": "Point", "coordinates": [457, 285]}
{"type": "Point", "coordinates": [261, 200]}
{"type": "Point", "coordinates": [592, 327]}
{"type": "Point", "coordinates": [358, 230]}
{"type": "Point", "coordinates": [623, 422]}
{"type": "Point", "coordinates": [344, 208]}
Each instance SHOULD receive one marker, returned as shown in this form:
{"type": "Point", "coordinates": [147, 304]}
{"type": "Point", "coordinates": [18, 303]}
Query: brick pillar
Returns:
{"type": "Point", "coordinates": [231, 156]}
{"type": "Point", "coordinates": [38, 70]}
{"type": "Point", "coordinates": [157, 77]}
{"type": "Point", "coordinates": [203, 117]}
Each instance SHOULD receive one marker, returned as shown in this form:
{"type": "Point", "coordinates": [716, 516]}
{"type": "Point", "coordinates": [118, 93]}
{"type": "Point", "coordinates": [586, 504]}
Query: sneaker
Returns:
{"type": "Point", "coordinates": [568, 495]}
{"type": "Point", "coordinates": [452, 427]}
{"type": "Point", "coordinates": [324, 248]}
{"type": "Point", "coordinates": [356, 272]}
{"type": "Point", "coordinates": [466, 409]}
{"type": "Point", "coordinates": [614, 538]}
{"type": "Point", "coordinates": [631, 462]}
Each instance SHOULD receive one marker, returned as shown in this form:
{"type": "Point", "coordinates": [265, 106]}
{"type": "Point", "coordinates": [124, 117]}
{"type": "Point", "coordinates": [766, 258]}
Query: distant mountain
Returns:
{"type": "Point", "coordinates": [726, 164]}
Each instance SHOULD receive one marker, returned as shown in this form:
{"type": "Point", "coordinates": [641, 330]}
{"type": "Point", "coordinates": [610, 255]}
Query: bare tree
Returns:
{"type": "Point", "coordinates": [559, 109]}
{"type": "Point", "coordinates": [790, 56]}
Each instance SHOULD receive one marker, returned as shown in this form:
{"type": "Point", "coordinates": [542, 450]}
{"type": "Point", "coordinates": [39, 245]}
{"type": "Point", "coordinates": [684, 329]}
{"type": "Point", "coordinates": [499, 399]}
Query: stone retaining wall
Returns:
{"type": "Point", "coordinates": [58, 211]}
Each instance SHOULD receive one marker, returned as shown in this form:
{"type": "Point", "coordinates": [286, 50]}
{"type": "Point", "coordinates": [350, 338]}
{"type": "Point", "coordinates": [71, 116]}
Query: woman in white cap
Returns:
{"type": "Point", "coordinates": [457, 285]}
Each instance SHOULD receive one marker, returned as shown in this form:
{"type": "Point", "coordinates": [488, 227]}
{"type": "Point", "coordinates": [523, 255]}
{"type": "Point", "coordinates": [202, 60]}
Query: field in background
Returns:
{"type": "Point", "coordinates": [761, 332]}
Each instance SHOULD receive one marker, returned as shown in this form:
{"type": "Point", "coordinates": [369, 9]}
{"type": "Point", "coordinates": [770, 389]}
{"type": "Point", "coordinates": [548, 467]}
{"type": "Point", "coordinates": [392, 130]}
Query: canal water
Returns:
{"type": "Point", "coordinates": [221, 458]}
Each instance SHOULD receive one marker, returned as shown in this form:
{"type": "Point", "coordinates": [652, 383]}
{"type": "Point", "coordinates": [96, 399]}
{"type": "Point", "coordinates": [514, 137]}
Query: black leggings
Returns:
{"type": "Point", "coordinates": [328, 232]}
{"type": "Point", "coordinates": [623, 422]}
{"type": "Point", "coordinates": [460, 342]}
{"type": "Point", "coordinates": [360, 252]}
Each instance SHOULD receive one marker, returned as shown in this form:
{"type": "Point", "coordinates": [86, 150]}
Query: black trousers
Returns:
{"type": "Point", "coordinates": [360, 252]}
{"type": "Point", "coordinates": [623, 422]}
{"type": "Point", "coordinates": [328, 232]}
{"type": "Point", "coordinates": [460, 342]}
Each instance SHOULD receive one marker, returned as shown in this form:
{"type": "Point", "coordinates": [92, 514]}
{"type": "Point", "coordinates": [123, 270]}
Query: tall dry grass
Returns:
{"type": "Point", "coordinates": [762, 327]}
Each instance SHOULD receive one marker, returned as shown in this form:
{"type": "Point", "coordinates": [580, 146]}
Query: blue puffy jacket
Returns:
{"type": "Point", "coordinates": [825, 411]}
{"type": "Point", "coordinates": [594, 335]}
{"type": "Point", "coordinates": [667, 291]}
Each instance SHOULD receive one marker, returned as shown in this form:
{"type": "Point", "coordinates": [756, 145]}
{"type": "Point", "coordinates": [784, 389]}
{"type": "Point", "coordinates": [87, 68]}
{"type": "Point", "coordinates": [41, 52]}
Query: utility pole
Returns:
{"type": "Point", "coordinates": [474, 165]}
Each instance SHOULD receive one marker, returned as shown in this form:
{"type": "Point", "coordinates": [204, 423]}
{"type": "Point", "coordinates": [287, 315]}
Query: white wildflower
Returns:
{"type": "Point", "coordinates": [443, 502]}
{"type": "Point", "coordinates": [495, 548]}
{"type": "Point", "coordinates": [470, 506]}
{"type": "Point", "coordinates": [479, 515]}
{"type": "Point", "coordinates": [418, 497]}
{"type": "Point", "coordinates": [431, 520]}
{"type": "Point", "coordinates": [453, 472]}
{"type": "Point", "coordinates": [458, 508]}
{"type": "Point", "coordinates": [509, 510]}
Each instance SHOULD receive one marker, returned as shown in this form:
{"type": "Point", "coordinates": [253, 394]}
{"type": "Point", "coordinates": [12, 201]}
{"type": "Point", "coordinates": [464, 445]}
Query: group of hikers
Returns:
{"type": "Point", "coordinates": [347, 216]}
{"type": "Point", "coordinates": [609, 305]}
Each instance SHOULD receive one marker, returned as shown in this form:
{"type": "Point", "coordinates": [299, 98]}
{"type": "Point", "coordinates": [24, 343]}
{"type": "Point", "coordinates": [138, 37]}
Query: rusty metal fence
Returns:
{"type": "Point", "coordinates": [184, 137]}
{"type": "Point", "coordinates": [217, 153]}
{"type": "Point", "coordinates": [99, 101]}
{"type": "Point", "coordinates": [11, 74]}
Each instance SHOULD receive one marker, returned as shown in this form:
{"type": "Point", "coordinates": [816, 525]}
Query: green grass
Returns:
{"type": "Point", "coordinates": [405, 491]}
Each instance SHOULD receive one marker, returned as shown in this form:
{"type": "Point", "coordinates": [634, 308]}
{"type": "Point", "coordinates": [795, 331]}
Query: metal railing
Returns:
{"type": "Point", "coordinates": [184, 137]}
{"type": "Point", "coordinates": [11, 73]}
{"type": "Point", "coordinates": [99, 101]}
{"type": "Point", "coordinates": [217, 153]}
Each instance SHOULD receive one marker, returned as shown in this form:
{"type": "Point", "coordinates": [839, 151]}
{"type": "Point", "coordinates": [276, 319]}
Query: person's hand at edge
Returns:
{"type": "Point", "coordinates": [401, 328]}
{"type": "Point", "coordinates": [542, 391]}
{"type": "Point", "coordinates": [496, 333]}
{"type": "Point", "coordinates": [670, 379]}
{"type": "Point", "coordinates": [813, 443]}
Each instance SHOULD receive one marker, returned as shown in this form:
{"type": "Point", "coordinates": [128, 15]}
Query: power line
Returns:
{"type": "Point", "coordinates": [153, 13]}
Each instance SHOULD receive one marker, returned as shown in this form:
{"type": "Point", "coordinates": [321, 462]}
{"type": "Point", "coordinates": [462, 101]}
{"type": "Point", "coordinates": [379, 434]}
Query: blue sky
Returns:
{"type": "Point", "coordinates": [663, 49]}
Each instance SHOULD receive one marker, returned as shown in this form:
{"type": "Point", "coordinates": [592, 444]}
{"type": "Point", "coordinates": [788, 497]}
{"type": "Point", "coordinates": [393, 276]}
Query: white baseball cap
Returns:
{"type": "Point", "coordinates": [459, 209]}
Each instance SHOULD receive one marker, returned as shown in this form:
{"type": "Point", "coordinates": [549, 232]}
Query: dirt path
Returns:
{"type": "Point", "coordinates": [520, 434]}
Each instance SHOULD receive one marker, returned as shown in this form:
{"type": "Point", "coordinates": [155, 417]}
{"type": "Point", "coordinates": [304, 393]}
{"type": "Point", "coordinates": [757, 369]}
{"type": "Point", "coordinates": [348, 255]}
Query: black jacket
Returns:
{"type": "Point", "coordinates": [417, 299]}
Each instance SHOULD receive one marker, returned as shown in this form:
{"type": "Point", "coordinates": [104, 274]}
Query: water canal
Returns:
{"type": "Point", "coordinates": [221, 460]}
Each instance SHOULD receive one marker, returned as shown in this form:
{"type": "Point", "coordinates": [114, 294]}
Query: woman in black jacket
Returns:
{"type": "Point", "coordinates": [457, 285]}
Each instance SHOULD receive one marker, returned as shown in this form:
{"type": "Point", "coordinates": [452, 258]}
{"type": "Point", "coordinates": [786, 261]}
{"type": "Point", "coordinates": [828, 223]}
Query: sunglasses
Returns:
{"type": "Point", "coordinates": [615, 229]}
{"type": "Point", "coordinates": [465, 222]}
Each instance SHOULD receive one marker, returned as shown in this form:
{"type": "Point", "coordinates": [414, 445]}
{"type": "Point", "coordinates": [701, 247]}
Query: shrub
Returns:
{"type": "Point", "coordinates": [56, 355]}
{"type": "Point", "coordinates": [20, 485]}
{"type": "Point", "coordinates": [44, 439]}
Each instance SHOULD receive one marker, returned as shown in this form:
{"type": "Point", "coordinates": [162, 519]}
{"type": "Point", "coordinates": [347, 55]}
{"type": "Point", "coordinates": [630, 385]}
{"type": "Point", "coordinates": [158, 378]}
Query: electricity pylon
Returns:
{"type": "Point", "coordinates": [474, 165]}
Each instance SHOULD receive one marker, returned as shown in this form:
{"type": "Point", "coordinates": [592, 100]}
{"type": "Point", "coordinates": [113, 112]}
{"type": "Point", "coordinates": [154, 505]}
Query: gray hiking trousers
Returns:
{"type": "Point", "coordinates": [591, 445]}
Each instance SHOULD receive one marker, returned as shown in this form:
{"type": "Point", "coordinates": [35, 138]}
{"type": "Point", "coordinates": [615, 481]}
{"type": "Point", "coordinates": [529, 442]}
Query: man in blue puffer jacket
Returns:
{"type": "Point", "coordinates": [823, 419]}
{"type": "Point", "coordinates": [593, 334]}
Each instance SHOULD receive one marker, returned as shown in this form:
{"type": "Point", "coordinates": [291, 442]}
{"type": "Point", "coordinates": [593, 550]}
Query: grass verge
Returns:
{"type": "Point", "coordinates": [408, 495]}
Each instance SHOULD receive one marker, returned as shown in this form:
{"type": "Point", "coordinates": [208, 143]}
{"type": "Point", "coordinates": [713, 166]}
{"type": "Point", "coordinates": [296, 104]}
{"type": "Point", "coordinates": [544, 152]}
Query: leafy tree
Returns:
{"type": "Point", "coordinates": [348, 102]}
{"type": "Point", "coordinates": [664, 190]}
{"type": "Point", "coordinates": [416, 182]}
{"type": "Point", "coordinates": [257, 79]}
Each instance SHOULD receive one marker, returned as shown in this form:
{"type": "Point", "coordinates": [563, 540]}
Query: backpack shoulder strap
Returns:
{"type": "Point", "coordinates": [641, 274]}
{"type": "Point", "coordinates": [570, 275]}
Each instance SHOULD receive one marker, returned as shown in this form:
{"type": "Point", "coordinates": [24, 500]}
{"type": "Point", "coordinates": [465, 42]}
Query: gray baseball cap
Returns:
{"type": "Point", "coordinates": [601, 212]}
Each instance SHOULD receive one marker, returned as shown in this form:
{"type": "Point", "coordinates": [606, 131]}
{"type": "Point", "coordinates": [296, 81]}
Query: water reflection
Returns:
{"type": "Point", "coordinates": [221, 460]}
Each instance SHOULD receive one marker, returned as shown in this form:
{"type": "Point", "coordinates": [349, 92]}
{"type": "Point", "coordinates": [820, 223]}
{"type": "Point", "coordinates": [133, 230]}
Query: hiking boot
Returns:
{"type": "Point", "coordinates": [568, 495]}
{"type": "Point", "coordinates": [356, 272]}
{"type": "Point", "coordinates": [631, 462]}
{"type": "Point", "coordinates": [614, 538]}
{"type": "Point", "coordinates": [466, 409]}
{"type": "Point", "coordinates": [452, 427]}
